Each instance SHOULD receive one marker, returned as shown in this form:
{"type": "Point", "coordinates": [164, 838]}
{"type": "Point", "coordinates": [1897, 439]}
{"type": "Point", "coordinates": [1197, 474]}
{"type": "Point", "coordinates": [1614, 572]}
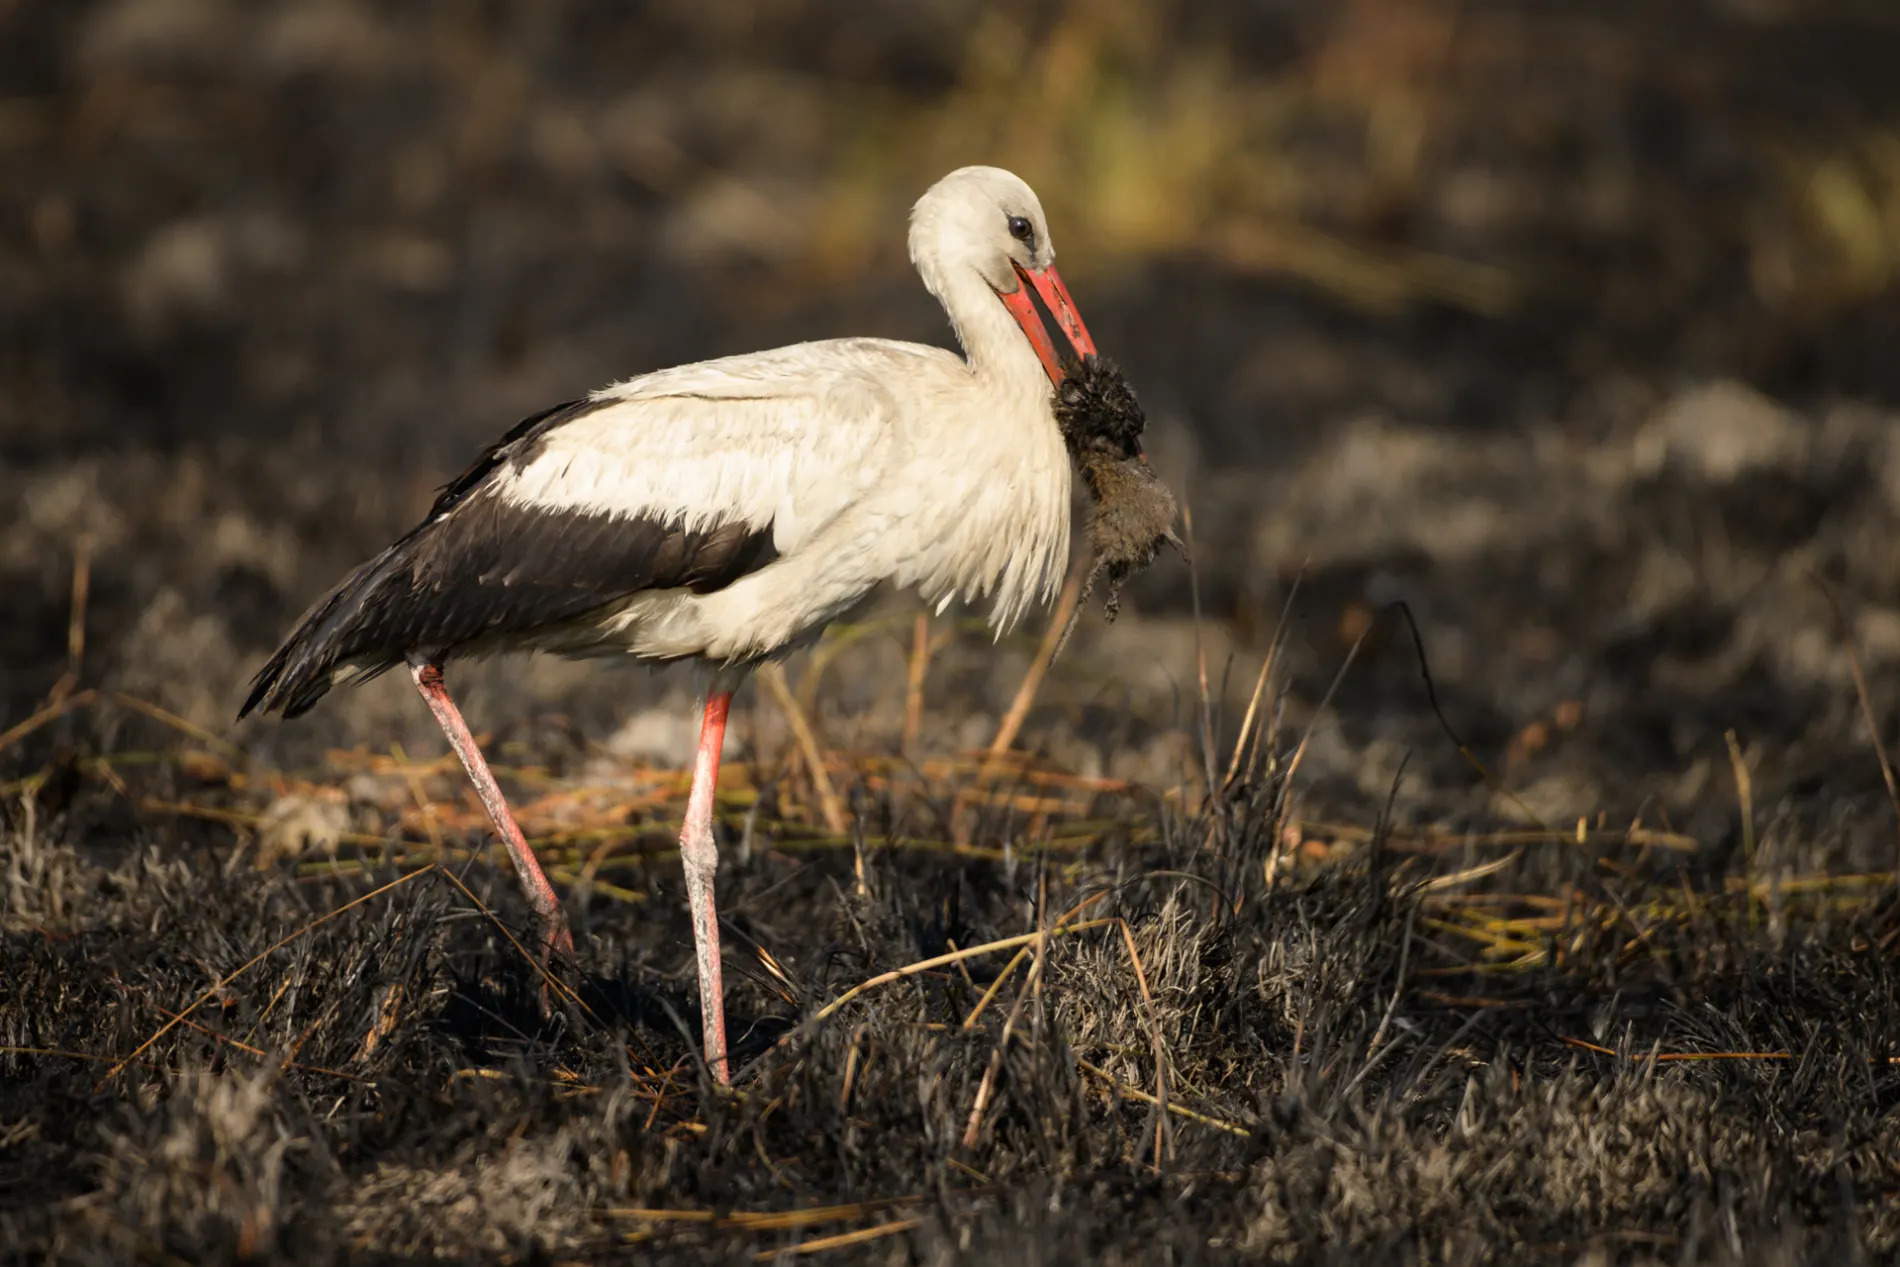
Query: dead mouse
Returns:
{"type": "Point", "coordinates": [1131, 512]}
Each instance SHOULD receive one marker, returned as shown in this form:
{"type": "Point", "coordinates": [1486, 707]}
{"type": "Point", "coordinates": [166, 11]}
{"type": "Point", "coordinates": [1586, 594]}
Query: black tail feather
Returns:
{"type": "Point", "coordinates": [302, 671]}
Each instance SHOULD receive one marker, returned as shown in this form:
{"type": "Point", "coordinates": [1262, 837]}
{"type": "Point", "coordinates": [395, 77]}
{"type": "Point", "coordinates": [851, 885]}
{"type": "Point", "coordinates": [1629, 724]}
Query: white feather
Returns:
{"type": "Point", "coordinates": [872, 461]}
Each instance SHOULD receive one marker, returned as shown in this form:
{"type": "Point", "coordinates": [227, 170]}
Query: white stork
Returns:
{"type": "Point", "coordinates": [726, 512]}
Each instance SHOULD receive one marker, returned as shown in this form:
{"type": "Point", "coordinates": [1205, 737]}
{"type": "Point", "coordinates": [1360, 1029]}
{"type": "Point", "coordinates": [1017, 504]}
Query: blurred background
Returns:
{"type": "Point", "coordinates": [1574, 325]}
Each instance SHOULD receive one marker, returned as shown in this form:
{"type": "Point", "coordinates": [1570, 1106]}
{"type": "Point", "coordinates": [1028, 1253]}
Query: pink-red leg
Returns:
{"type": "Point", "coordinates": [700, 855]}
{"type": "Point", "coordinates": [541, 896]}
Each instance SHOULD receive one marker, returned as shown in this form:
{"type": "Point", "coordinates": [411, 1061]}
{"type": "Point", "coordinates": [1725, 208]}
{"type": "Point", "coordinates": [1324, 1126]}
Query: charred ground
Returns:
{"type": "Point", "coordinates": [1591, 368]}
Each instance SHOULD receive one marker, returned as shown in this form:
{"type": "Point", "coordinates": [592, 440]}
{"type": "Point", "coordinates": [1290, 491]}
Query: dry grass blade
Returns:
{"type": "Point", "coordinates": [1376, 1049]}
{"type": "Point", "coordinates": [1031, 685]}
{"type": "Point", "coordinates": [250, 822]}
{"type": "Point", "coordinates": [1745, 798]}
{"type": "Point", "coordinates": [1244, 742]}
{"type": "Point", "coordinates": [166, 717]}
{"type": "Point", "coordinates": [851, 1068]}
{"type": "Point", "coordinates": [1136, 1093]}
{"type": "Point", "coordinates": [1160, 1048]}
{"type": "Point", "coordinates": [974, 1124]}
{"type": "Point", "coordinates": [1200, 653]}
{"type": "Point", "coordinates": [842, 1240]}
{"type": "Point", "coordinates": [548, 980]}
{"type": "Point", "coordinates": [941, 961]}
{"type": "Point", "coordinates": [412, 775]}
{"type": "Point", "coordinates": [58, 1052]}
{"type": "Point", "coordinates": [75, 620]}
{"type": "Point", "coordinates": [1306, 736]}
{"type": "Point", "coordinates": [773, 676]}
{"type": "Point", "coordinates": [969, 1022]}
{"type": "Point", "coordinates": [249, 1050]}
{"type": "Point", "coordinates": [962, 813]}
{"type": "Point", "coordinates": [1665, 1057]}
{"type": "Point", "coordinates": [52, 712]}
{"type": "Point", "coordinates": [252, 962]}
{"type": "Point", "coordinates": [1437, 884]}
{"type": "Point", "coordinates": [767, 1220]}
{"type": "Point", "coordinates": [915, 672]}
{"type": "Point", "coordinates": [1431, 841]}
{"type": "Point", "coordinates": [1247, 720]}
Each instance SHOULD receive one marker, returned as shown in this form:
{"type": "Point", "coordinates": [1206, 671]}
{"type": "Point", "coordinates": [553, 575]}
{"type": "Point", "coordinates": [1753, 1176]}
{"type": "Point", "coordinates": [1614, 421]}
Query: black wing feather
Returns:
{"type": "Point", "coordinates": [519, 445]}
{"type": "Point", "coordinates": [482, 567]}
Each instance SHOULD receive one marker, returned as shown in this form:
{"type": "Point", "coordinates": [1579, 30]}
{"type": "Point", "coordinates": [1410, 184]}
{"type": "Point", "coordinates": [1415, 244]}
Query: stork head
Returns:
{"type": "Point", "coordinates": [986, 221]}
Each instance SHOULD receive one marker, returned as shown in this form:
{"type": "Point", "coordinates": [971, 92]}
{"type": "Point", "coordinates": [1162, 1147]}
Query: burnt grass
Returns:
{"type": "Point", "coordinates": [385, 1086]}
{"type": "Point", "coordinates": [1617, 983]}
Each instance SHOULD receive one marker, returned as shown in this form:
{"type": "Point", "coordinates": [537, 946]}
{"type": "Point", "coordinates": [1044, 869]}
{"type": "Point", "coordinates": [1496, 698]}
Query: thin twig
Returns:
{"type": "Point", "coordinates": [914, 683]}
{"type": "Point", "coordinates": [962, 813]}
{"type": "Point", "coordinates": [1031, 684]}
{"type": "Point", "coordinates": [1404, 609]}
{"type": "Point", "coordinates": [828, 804]}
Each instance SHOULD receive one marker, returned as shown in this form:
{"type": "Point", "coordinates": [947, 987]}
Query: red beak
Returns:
{"type": "Point", "coordinates": [1055, 296]}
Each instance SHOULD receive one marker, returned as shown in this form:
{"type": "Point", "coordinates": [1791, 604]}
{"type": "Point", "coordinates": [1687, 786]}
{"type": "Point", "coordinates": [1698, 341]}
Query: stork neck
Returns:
{"type": "Point", "coordinates": [998, 351]}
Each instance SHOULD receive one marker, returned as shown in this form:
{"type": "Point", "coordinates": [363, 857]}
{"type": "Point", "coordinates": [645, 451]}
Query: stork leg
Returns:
{"type": "Point", "coordinates": [547, 907]}
{"type": "Point", "coordinates": [700, 855]}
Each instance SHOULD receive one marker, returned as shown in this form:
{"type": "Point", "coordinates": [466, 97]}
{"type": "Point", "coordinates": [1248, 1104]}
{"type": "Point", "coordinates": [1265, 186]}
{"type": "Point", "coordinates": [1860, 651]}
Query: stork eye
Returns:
{"type": "Point", "coordinates": [1022, 230]}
